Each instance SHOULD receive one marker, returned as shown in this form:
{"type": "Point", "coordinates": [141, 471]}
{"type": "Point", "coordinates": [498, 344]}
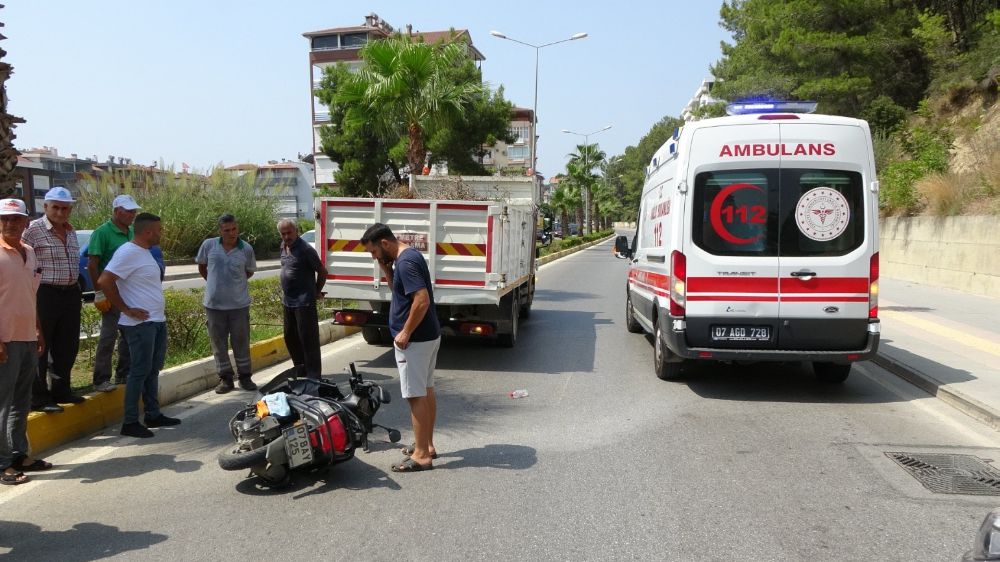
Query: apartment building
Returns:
{"type": "Point", "coordinates": [291, 183]}
{"type": "Point", "coordinates": [702, 96]}
{"type": "Point", "coordinates": [514, 158]}
{"type": "Point", "coordinates": [328, 47]}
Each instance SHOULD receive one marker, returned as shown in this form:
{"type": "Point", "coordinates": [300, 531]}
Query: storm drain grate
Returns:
{"type": "Point", "coordinates": [944, 473]}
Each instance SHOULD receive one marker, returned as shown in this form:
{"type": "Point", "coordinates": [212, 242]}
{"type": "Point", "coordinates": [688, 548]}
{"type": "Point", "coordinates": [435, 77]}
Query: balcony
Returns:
{"type": "Point", "coordinates": [322, 117]}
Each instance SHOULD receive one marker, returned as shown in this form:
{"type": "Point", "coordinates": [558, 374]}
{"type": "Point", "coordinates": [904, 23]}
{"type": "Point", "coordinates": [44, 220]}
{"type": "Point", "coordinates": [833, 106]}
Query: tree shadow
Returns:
{"type": "Point", "coordinates": [84, 542]}
{"type": "Point", "coordinates": [776, 382]}
{"type": "Point", "coordinates": [121, 467]}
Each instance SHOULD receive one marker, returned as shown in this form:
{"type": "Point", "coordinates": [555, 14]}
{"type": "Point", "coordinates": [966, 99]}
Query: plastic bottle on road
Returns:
{"type": "Point", "coordinates": [519, 393]}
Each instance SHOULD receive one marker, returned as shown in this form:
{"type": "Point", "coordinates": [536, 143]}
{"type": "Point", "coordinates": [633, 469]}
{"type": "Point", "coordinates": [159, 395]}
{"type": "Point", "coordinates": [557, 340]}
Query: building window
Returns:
{"type": "Point", "coordinates": [517, 152]}
{"type": "Point", "coordinates": [325, 42]}
{"type": "Point", "coordinates": [349, 40]}
{"type": "Point", "coordinates": [521, 133]}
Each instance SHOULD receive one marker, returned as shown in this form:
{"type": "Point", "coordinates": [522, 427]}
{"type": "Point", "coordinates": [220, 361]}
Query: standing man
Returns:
{"type": "Point", "coordinates": [302, 278]}
{"type": "Point", "coordinates": [132, 283]}
{"type": "Point", "coordinates": [103, 242]}
{"type": "Point", "coordinates": [416, 334]}
{"type": "Point", "coordinates": [21, 342]}
{"type": "Point", "coordinates": [59, 300]}
{"type": "Point", "coordinates": [226, 263]}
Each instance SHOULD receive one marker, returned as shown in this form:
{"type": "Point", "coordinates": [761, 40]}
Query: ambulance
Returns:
{"type": "Point", "coordinates": [757, 240]}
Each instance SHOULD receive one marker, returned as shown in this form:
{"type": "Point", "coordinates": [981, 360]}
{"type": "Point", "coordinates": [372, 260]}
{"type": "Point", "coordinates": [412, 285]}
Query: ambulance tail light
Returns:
{"type": "Point", "coordinates": [678, 283]}
{"type": "Point", "coordinates": [873, 287]}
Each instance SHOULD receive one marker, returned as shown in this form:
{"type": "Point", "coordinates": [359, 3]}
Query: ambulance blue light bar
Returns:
{"type": "Point", "coordinates": [756, 107]}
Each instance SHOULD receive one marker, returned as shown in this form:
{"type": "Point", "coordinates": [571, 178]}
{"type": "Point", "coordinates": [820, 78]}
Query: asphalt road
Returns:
{"type": "Point", "coordinates": [199, 282]}
{"type": "Point", "coordinates": [601, 462]}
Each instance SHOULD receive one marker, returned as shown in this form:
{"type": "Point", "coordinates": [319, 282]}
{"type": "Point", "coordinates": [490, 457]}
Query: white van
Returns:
{"type": "Point", "coordinates": [757, 240]}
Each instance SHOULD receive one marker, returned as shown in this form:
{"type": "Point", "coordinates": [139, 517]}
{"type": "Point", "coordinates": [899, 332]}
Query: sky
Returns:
{"type": "Point", "coordinates": [227, 81]}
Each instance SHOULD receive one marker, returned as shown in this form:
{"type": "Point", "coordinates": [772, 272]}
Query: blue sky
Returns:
{"type": "Point", "coordinates": [227, 81]}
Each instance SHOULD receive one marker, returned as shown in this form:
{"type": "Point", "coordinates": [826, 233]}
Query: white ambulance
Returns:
{"type": "Point", "coordinates": [757, 240]}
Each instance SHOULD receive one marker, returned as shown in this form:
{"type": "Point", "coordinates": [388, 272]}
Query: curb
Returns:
{"type": "Point", "coordinates": [104, 409]}
{"type": "Point", "coordinates": [954, 398]}
{"type": "Point", "coordinates": [553, 257]}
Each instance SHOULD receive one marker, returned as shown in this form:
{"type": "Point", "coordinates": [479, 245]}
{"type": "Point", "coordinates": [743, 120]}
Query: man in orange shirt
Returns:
{"type": "Point", "coordinates": [21, 342]}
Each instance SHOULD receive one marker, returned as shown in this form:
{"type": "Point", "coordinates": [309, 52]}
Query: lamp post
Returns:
{"type": "Point", "coordinates": [586, 168]}
{"type": "Point", "coordinates": [534, 108]}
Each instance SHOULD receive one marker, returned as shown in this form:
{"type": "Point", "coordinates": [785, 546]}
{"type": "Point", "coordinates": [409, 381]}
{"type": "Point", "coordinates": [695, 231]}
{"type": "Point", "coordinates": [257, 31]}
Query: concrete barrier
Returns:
{"type": "Point", "coordinates": [955, 252]}
{"type": "Point", "coordinates": [104, 409]}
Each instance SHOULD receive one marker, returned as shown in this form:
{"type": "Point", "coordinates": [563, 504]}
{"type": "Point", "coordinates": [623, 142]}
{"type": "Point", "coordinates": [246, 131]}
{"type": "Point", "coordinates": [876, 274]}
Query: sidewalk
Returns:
{"type": "Point", "coordinates": [945, 342]}
{"type": "Point", "coordinates": [190, 271]}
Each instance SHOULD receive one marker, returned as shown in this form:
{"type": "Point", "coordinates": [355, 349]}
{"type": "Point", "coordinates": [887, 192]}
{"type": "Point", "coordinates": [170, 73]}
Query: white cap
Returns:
{"type": "Point", "coordinates": [125, 202]}
{"type": "Point", "coordinates": [60, 194]}
{"type": "Point", "coordinates": [13, 207]}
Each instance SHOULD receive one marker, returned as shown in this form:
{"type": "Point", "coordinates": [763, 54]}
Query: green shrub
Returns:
{"type": "Point", "coordinates": [884, 115]}
{"type": "Point", "coordinates": [897, 193]}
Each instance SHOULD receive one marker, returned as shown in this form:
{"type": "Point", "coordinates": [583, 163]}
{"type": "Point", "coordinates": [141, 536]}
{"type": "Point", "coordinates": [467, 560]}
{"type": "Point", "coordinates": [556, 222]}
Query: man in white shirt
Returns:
{"type": "Point", "coordinates": [131, 281]}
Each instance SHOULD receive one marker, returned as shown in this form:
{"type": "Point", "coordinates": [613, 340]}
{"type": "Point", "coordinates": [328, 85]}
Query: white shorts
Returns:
{"type": "Point", "coordinates": [416, 367]}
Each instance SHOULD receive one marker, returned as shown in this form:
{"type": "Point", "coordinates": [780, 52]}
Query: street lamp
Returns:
{"type": "Point", "coordinates": [534, 109]}
{"type": "Point", "coordinates": [586, 168]}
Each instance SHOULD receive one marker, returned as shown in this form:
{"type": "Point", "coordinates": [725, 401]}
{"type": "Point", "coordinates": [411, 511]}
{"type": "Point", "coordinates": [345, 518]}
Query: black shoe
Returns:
{"type": "Point", "coordinates": [48, 408]}
{"type": "Point", "coordinates": [224, 387]}
{"type": "Point", "coordinates": [135, 429]}
{"type": "Point", "coordinates": [162, 421]}
{"type": "Point", "coordinates": [247, 384]}
{"type": "Point", "coordinates": [70, 399]}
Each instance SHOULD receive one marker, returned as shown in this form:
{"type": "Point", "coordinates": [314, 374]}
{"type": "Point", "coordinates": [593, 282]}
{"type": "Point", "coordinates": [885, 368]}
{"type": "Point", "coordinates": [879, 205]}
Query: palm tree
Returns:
{"type": "Point", "coordinates": [588, 157]}
{"type": "Point", "coordinates": [403, 91]}
{"type": "Point", "coordinates": [8, 154]}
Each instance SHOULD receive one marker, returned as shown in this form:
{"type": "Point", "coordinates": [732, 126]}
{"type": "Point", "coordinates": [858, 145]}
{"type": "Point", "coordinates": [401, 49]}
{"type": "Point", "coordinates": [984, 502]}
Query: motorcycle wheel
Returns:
{"type": "Point", "coordinates": [237, 459]}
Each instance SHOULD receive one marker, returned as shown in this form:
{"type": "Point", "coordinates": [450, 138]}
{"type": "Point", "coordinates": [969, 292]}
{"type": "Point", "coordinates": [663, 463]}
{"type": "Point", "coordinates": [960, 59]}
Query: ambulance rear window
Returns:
{"type": "Point", "coordinates": [735, 212]}
{"type": "Point", "coordinates": [822, 212]}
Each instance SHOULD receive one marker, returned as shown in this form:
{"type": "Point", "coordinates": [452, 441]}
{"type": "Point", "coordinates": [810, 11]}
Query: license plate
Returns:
{"type": "Point", "coordinates": [741, 333]}
{"type": "Point", "coordinates": [297, 445]}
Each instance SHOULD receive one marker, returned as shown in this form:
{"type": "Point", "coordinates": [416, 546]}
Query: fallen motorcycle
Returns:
{"type": "Point", "coordinates": [302, 423]}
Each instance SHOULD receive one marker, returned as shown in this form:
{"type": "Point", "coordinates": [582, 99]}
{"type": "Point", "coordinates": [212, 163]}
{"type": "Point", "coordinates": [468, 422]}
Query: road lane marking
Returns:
{"type": "Point", "coordinates": [969, 340]}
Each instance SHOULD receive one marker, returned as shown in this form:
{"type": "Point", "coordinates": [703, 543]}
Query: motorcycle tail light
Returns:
{"type": "Point", "coordinates": [338, 433]}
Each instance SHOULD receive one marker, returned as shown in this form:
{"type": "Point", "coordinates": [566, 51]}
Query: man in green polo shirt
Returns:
{"type": "Point", "coordinates": [103, 242]}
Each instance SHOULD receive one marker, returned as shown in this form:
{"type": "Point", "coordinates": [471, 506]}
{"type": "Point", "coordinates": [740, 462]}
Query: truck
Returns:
{"type": "Point", "coordinates": [477, 234]}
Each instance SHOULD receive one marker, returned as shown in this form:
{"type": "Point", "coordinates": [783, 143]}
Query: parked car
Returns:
{"type": "Point", "coordinates": [86, 284]}
{"type": "Point", "coordinates": [310, 237]}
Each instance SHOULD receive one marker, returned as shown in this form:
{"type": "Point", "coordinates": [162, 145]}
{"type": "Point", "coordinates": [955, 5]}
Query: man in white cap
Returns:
{"type": "Point", "coordinates": [21, 342]}
{"type": "Point", "coordinates": [103, 242]}
{"type": "Point", "coordinates": [59, 301]}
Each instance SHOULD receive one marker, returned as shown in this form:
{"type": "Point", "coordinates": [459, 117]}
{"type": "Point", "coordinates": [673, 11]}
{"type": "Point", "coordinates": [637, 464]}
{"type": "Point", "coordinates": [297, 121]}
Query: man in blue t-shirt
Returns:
{"type": "Point", "coordinates": [416, 336]}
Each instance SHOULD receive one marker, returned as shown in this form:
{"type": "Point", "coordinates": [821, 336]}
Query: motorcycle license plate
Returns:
{"type": "Point", "coordinates": [741, 333]}
{"type": "Point", "coordinates": [297, 445]}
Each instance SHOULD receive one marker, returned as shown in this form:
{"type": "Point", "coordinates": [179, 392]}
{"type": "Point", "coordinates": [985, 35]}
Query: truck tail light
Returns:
{"type": "Point", "coordinates": [678, 283]}
{"type": "Point", "coordinates": [475, 329]}
{"type": "Point", "coordinates": [350, 318]}
{"type": "Point", "coordinates": [873, 287]}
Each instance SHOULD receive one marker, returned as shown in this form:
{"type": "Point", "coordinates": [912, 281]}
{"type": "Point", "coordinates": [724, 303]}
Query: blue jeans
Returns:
{"type": "Point", "coordinates": [16, 377]}
{"type": "Point", "coordinates": [147, 344]}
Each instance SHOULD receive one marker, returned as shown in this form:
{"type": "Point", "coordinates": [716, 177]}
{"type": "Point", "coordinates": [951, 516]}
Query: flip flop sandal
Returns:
{"type": "Point", "coordinates": [408, 450]}
{"type": "Point", "coordinates": [13, 479]}
{"type": "Point", "coordinates": [410, 465]}
{"type": "Point", "coordinates": [36, 466]}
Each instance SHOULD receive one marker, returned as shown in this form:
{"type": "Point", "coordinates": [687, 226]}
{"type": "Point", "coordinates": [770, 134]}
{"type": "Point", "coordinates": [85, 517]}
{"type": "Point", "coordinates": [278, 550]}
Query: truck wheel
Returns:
{"type": "Point", "coordinates": [831, 373]}
{"type": "Point", "coordinates": [510, 339]}
{"type": "Point", "coordinates": [665, 370]}
{"type": "Point", "coordinates": [631, 324]}
{"type": "Point", "coordinates": [372, 335]}
{"type": "Point", "coordinates": [526, 307]}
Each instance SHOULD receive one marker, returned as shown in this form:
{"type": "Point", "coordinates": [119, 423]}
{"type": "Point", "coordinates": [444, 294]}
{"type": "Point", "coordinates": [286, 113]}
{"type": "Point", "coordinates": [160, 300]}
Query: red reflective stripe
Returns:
{"type": "Point", "coordinates": [731, 298]}
{"type": "Point", "coordinates": [825, 285]}
{"type": "Point", "coordinates": [406, 205]}
{"type": "Point", "coordinates": [351, 203]}
{"type": "Point", "coordinates": [351, 277]}
{"type": "Point", "coordinates": [462, 207]}
{"type": "Point", "coordinates": [460, 282]}
{"type": "Point", "coordinates": [732, 284]}
{"type": "Point", "coordinates": [823, 299]}
{"type": "Point", "coordinates": [489, 245]}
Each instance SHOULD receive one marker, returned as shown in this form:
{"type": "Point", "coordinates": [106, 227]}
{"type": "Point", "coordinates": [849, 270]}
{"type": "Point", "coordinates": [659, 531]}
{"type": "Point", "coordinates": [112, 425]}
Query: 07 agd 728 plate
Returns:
{"type": "Point", "coordinates": [726, 333]}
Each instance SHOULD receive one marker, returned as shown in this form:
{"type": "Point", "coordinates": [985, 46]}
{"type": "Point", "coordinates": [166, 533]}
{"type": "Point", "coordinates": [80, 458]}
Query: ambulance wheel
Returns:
{"type": "Point", "coordinates": [665, 370]}
{"type": "Point", "coordinates": [372, 335]}
{"type": "Point", "coordinates": [832, 373]}
{"type": "Point", "coordinates": [510, 339]}
{"type": "Point", "coordinates": [631, 324]}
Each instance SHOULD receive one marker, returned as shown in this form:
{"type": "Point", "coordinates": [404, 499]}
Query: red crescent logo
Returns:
{"type": "Point", "coordinates": [715, 214]}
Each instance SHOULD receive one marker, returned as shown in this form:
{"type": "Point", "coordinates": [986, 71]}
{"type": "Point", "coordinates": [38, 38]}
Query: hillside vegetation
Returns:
{"type": "Point", "coordinates": [923, 73]}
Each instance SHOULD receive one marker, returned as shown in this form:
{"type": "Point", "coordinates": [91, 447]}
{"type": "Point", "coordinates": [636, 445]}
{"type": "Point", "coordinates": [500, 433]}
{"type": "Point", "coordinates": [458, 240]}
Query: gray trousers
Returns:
{"type": "Point", "coordinates": [230, 328]}
{"type": "Point", "coordinates": [17, 375]}
{"type": "Point", "coordinates": [106, 348]}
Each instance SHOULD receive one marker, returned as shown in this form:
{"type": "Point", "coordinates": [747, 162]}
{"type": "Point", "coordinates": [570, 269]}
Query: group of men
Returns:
{"type": "Point", "coordinates": [39, 286]}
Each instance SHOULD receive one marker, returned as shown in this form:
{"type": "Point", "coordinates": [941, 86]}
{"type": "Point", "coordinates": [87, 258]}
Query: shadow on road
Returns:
{"type": "Point", "coordinates": [84, 542]}
{"type": "Point", "coordinates": [777, 382]}
{"type": "Point", "coordinates": [507, 457]}
{"type": "Point", "coordinates": [123, 467]}
{"type": "Point", "coordinates": [348, 475]}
